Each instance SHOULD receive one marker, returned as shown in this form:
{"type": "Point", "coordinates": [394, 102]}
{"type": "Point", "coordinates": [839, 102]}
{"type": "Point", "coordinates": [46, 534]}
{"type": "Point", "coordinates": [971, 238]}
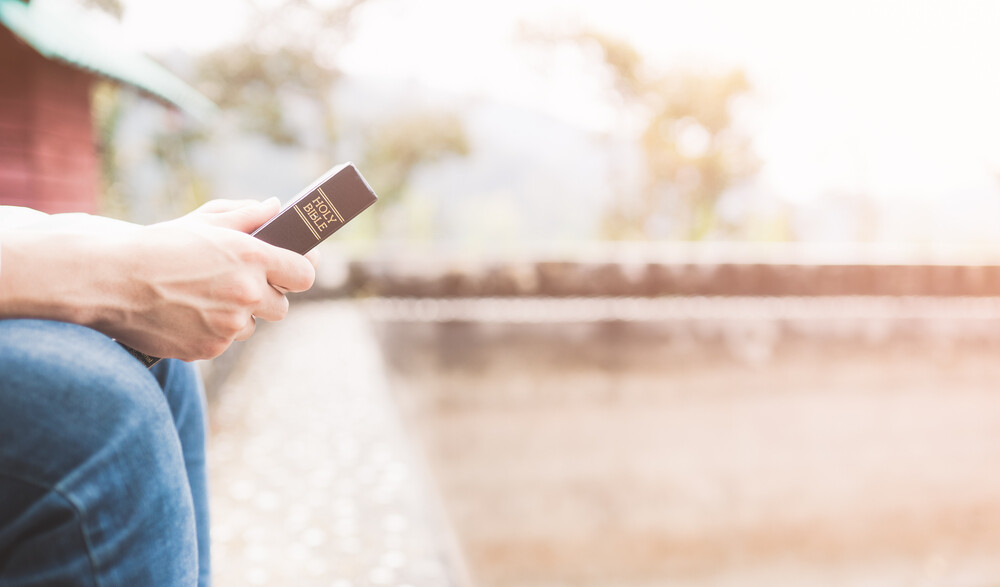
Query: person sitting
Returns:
{"type": "Point", "coordinates": [102, 460]}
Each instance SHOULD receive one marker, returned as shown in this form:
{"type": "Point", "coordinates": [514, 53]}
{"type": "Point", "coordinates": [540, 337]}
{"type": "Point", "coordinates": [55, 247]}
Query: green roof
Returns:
{"type": "Point", "coordinates": [57, 34]}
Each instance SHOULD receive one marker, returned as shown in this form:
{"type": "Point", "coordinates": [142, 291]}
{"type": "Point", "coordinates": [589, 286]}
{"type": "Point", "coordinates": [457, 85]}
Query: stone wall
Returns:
{"type": "Point", "coordinates": [679, 270]}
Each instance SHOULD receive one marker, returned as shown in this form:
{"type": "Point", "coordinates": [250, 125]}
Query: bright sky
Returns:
{"type": "Point", "coordinates": [890, 98]}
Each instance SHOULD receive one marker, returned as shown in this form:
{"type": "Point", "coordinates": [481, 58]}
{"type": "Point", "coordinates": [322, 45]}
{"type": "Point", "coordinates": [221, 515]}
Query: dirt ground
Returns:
{"type": "Point", "coordinates": [595, 456]}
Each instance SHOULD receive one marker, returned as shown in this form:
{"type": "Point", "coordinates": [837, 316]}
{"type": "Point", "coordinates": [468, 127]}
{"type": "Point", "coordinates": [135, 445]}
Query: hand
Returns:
{"type": "Point", "coordinates": [186, 288]}
{"type": "Point", "coordinates": [215, 212]}
{"type": "Point", "coordinates": [199, 281]}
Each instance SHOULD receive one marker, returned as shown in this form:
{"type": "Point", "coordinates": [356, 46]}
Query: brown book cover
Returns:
{"type": "Point", "coordinates": [315, 213]}
{"type": "Point", "coordinates": [319, 210]}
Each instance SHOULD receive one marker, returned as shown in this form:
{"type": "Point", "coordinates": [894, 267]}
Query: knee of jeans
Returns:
{"type": "Point", "coordinates": [64, 349]}
{"type": "Point", "coordinates": [82, 417]}
{"type": "Point", "coordinates": [69, 394]}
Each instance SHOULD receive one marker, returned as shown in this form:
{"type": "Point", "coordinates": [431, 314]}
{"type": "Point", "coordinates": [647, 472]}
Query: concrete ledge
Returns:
{"type": "Point", "coordinates": [314, 479]}
{"type": "Point", "coordinates": [640, 331]}
{"type": "Point", "coordinates": [652, 270]}
{"type": "Point", "coordinates": [569, 278]}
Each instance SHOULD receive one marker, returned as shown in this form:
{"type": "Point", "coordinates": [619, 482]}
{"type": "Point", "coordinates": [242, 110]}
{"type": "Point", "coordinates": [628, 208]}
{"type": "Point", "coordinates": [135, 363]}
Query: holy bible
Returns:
{"type": "Point", "coordinates": [315, 213]}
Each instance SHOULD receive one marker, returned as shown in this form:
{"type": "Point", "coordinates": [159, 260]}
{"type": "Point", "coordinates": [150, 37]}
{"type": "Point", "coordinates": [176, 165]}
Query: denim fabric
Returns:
{"type": "Point", "coordinates": [102, 463]}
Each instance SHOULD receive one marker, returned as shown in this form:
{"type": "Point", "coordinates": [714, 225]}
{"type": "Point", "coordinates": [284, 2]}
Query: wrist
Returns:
{"type": "Point", "coordinates": [102, 293]}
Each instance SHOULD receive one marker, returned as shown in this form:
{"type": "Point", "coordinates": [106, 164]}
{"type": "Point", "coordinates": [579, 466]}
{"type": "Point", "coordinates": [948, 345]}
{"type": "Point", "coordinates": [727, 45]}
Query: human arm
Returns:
{"type": "Point", "coordinates": [186, 288]}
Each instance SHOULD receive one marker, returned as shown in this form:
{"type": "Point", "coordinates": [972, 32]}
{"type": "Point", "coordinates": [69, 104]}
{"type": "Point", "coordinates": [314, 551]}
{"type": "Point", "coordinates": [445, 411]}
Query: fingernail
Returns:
{"type": "Point", "coordinates": [269, 201]}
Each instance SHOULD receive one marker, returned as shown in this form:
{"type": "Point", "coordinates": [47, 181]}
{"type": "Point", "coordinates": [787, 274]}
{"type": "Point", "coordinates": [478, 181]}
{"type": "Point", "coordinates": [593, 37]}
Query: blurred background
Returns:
{"type": "Point", "coordinates": [686, 293]}
{"type": "Point", "coordinates": [546, 123]}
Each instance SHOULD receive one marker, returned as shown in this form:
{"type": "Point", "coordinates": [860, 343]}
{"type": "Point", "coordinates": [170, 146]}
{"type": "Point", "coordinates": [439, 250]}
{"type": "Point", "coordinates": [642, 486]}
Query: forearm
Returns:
{"type": "Point", "coordinates": [61, 275]}
{"type": "Point", "coordinates": [59, 266]}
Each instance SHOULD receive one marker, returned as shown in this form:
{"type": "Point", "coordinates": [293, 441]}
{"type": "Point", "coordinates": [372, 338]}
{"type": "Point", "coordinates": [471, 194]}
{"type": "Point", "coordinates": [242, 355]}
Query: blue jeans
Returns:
{"type": "Point", "coordinates": [102, 463]}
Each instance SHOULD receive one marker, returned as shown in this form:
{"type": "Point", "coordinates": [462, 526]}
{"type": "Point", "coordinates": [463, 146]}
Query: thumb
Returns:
{"type": "Point", "coordinates": [217, 206]}
{"type": "Point", "coordinates": [244, 218]}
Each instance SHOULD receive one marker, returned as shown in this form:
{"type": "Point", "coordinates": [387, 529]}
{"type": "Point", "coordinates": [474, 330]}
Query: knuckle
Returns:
{"type": "Point", "coordinates": [253, 255]}
{"type": "Point", "coordinates": [246, 293]}
{"type": "Point", "coordinates": [230, 323]}
{"type": "Point", "coordinates": [212, 347]}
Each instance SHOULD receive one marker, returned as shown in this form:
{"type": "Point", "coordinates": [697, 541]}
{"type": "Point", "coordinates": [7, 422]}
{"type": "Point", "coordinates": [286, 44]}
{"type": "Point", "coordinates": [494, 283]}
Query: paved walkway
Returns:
{"type": "Point", "coordinates": [313, 480]}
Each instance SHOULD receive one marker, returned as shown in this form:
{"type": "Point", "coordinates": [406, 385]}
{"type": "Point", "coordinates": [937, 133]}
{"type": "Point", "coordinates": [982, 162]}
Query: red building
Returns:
{"type": "Point", "coordinates": [48, 62]}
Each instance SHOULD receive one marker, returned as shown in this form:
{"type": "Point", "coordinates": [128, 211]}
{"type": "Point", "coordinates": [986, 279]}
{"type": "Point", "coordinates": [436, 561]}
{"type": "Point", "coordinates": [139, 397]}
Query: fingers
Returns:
{"type": "Point", "coordinates": [288, 271]}
{"type": "Point", "coordinates": [272, 307]}
{"type": "Point", "coordinates": [274, 272]}
{"type": "Point", "coordinates": [220, 206]}
{"type": "Point", "coordinates": [242, 215]}
{"type": "Point", "coordinates": [313, 257]}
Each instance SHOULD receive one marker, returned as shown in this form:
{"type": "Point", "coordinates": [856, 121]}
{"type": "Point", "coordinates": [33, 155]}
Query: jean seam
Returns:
{"type": "Point", "coordinates": [77, 513]}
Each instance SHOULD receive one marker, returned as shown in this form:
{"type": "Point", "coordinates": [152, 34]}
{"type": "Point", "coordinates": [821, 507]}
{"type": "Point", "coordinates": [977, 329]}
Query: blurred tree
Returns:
{"type": "Point", "coordinates": [396, 148]}
{"type": "Point", "coordinates": [276, 82]}
{"type": "Point", "coordinates": [187, 188]}
{"type": "Point", "coordinates": [693, 152]}
{"type": "Point", "coordinates": [289, 50]}
{"type": "Point", "coordinates": [106, 105]}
